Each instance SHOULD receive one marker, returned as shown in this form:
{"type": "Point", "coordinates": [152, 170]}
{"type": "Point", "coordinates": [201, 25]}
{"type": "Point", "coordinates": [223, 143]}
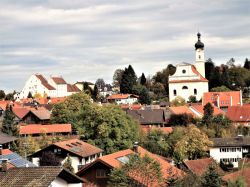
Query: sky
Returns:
{"type": "Point", "coordinates": [83, 40]}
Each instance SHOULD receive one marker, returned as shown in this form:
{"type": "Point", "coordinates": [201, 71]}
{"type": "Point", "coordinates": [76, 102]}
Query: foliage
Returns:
{"type": "Point", "coordinates": [209, 68]}
{"type": "Point", "coordinates": [143, 94]}
{"type": "Point", "coordinates": [190, 179]}
{"type": "Point", "coordinates": [9, 126]}
{"type": "Point", "coordinates": [156, 142]}
{"type": "Point", "coordinates": [192, 145]}
{"type": "Point", "coordinates": [143, 79]}
{"type": "Point", "coordinates": [237, 183]}
{"type": "Point", "coordinates": [37, 96]}
{"type": "Point", "coordinates": [220, 89]}
{"type": "Point", "coordinates": [95, 93]}
{"type": "Point", "coordinates": [100, 83]}
{"type": "Point", "coordinates": [107, 127]}
{"type": "Point", "coordinates": [138, 171]}
{"type": "Point", "coordinates": [211, 177]}
{"type": "Point", "coordinates": [128, 80]}
{"type": "Point", "coordinates": [9, 96]}
{"type": "Point", "coordinates": [181, 119]}
{"type": "Point", "coordinates": [247, 64]}
{"type": "Point", "coordinates": [49, 158]}
{"type": "Point", "coordinates": [192, 99]}
{"type": "Point", "coordinates": [68, 164]}
{"type": "Point", "coordinates": [178, 101]}
{"type": "Point", "coordinates": [117, 77]}
{"type": "Point", "coordinates": [2, 94]}
{"type": "Point", "coordinates": [27, 146]}
{"type": "Point", "coordinates": [208, 114]}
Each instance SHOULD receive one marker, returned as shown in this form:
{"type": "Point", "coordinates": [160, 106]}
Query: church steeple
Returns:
{"type": "Point", "coordinates": [199, 56]}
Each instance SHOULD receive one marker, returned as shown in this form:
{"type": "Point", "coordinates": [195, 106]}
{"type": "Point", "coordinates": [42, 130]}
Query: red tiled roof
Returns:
{"type": "Point", "coordinates": [112, 161]}
{"type": "Point", "coordinates": [131, 107]}
{"type": "Point", "coordinates": [200, 77]}
{"type": "Point", "coordinates": [44, 82]}
{"type": "Point", "coordinates": [58, 80]}
{"type": "Point", "coordinates": [165, 130]}
{"type": "Point", "coordinates": [78, 147]}
{"type": "Point", "coordinates": [5, 152]}
{"type": "Point", "coordinates": [3, 104]}
{"type": "Point", "coordinates": [182, 110]}
{"type": "Point", "coordinates": [40, 129]}
{"type": "Point", "coordinates": [239, 113]}
{"type": "Point", "coordinates": [72, 88]}
{"type": "Point", "coordinates": [225, 98]}
{"type": "Point", "coordinates": [199, 108]}
{"type": "Point", "coordinates": [244, 173]}
{"type": "Point", "coordinates": [199, 166]}
{"type": "Point", "coordinates": [121, 96]}
{"type": "Point", "coordinates": [20, 112]}
{"type": "Point", "coordinates": [41, 113]}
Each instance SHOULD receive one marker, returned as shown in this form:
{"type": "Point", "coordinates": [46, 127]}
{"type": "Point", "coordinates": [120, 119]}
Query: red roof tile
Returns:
{"type": "Point", "coordinates": [147, 129]}
{"type": "Point", "coordinates": [182, 110]}
{"type": "Point", "coordinates": [78, 147]}
{"type": "Point", "coordinates": [121, 96]}
{"type": "Point", "coordinates": [131, 107]}
{"type": "Point", "coordinates": [232, 98]}
{"type": "Point", "coordinates": [72, 88]}
{"type": "Point", "coordinates": [20, 112]}
{"type": "Point", "coordinates": [239, 113]}
{"type": "Point", "coordinates": [44, 82]}
{"type": "Point", "coordinates": [40, 129]}
{"type": "Point", "coordinates": [199, 166]}
{"type": "Point", "coordinates": [199, 108]}
{"type": "Point", "coordinates": [58, 80]}
{"type": "Point", "coordinates": [5, 152]}
{"type": "Point", "coordinates": [41, 112]}
{"type": "Point", "coordinates": [244, 173]}
{"type": "Point", "coordinates": [200, 77]}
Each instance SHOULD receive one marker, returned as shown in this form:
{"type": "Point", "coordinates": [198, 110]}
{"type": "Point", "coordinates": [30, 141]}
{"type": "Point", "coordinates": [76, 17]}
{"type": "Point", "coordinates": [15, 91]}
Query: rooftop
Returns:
{"type": "Point", "coordinates": [231, 142]}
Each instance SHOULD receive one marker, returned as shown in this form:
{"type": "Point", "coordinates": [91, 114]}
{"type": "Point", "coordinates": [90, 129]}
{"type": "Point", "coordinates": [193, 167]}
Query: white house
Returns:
{"type": "Point", "coordinates": [230, 150]}
{"type": "Point", "coordinates": [189, 80]}
{"type": "Point", "coordinates": [123, 98]}
{"type": "Point", "coordinates": [81, 153]}
{"type": "Point", "coordinates": [54, 87]}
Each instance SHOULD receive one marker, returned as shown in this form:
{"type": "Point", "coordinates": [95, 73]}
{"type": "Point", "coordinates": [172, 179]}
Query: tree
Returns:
{"type": "Point", "coordinates": [68, 164]}
{"type": "Point", "coordinates": [139, 171]}
{"type": "Point", "coordinates": [2, 94]}
{"type": "Point", "coordinates": [30, 95]}
{"type": "Point", "coordinates": [49, 158]}
{"type": "Point", "coordinates": [220, 89]}
{"type": "Point", "coordinates": [231, 62]}
{"type": "Point", "coordinates": [192, 99]}
{"type": "Point", "coordinates": [193, 145]}
{"type": "Point", "coordinates": [209, 68]}
{"type": "Point", "coordinates": [100, 83]}
{"type": "Point", "coordinates": [9, 126]}
{"type": "Point", "coordinates": [128, 80]}
{"type": "Point", "coordinates": [247, 64]}
{"type": "Point", "coordinates": [9, 97]}
{"type": "Point", "coordinates": [208, 114]}
{"type": "Point", "coordinates": [181, 119]}
{"type": "Point", "coordinates": [215, 78]}
{"type": "Point", "coordinates": [239, 182]}
{"type": "Point", "coordinates": [37, 96]}
{"type": "Point", "coordinates": [117, 77]}
{"type": "Point", "coordinates": [143, 79]}
{"type": "Point", "coordinates": [27, 146]}
{"type": "Point", "coordinates": [211, 177]}
{"type": "Point", "coordinates": [95, 93]}
{"type": "Point", "coordinates": [178, 101]}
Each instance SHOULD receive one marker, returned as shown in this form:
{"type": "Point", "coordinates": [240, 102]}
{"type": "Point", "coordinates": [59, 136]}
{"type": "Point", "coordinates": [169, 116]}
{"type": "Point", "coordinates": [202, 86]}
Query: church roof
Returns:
{"type": "Point", "coordinates": [200, 78]}
{"type": "Point", "coordinates": [199, 44]}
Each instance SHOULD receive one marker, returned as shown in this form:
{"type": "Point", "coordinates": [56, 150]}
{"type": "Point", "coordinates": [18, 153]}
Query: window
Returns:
{"type": "Point", "coordinates": [184, 87]}
{"type": "Point", "coordinates": [195, 91]}
{"type": "Point", "coordinates": [101, 173]}
{"type": "Point", "coordinates": [199, 56]}
{"type": "Point", "coordinates": [184, 71]}
{"type": "Point", "coordinates": [175, 93]}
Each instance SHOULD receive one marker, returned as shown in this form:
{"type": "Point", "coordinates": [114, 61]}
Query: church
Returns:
{"type": "Point", "coordinates": [189, 79]}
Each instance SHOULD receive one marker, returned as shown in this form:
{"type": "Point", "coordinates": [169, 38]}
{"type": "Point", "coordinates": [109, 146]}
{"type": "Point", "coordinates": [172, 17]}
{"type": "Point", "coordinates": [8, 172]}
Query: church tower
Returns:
{"type": "Point", "coordinates": [199, 56]}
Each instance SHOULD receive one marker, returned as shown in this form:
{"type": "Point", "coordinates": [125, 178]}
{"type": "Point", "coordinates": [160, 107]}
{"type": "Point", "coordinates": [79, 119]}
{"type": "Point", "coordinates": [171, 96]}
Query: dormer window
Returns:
{"type": "Point", "coordinates": [184, 71]}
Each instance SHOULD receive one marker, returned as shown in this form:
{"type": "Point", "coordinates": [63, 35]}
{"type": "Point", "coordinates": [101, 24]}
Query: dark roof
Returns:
{"type": "Point", "coordinates": [58, 80]}
{"type": "Point", "coordinates": [44, 82]}
{"type": "Point", "coordinates": [199, 166]}
{"type": "Point", "coordinates": [231, 142]}
{"type": "Point", "coordinates": [152, 116]}
{"type": "Point", "coordinates": [5, 138]}
{"type": "Point", "coordinates": [36, 176]}
{"type": "Point", "coordinates": [199, 44]}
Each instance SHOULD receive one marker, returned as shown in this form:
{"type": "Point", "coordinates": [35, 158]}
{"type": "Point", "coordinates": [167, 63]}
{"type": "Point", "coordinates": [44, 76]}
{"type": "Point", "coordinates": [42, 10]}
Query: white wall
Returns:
{"type": "Point", "coordinates": [129, 100]}
{"type": "Point", "coordinates": [59, 182]}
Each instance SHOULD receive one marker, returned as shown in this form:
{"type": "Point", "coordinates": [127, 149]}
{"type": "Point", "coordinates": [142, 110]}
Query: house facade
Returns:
{"type": "Point", "coordinates": [123, 98]}
{"type": "Point", "coordinates": [230, 150]}
{"type": "Point", "coordinates": [189, 80]}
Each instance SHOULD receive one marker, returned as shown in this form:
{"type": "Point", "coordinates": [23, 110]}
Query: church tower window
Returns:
{"type": "Point", "coordinates": [175, 93]}
{"type": "Point", "coordinates": [184, 87]}
{"type": "Point", "coordinates": [195, 91]}
{"type": "Point", "coordinates": [184, 71]}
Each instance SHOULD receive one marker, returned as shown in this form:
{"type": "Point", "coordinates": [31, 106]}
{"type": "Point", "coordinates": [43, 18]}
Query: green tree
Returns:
{"type": "Point", "coordinates": [144, 97]}
{"type": "Point", "coordinates": [9, 97]}
{"type": "Point", "coordinates": [209, 68]}
{"type": "Point", "coordinates": [192, 99]}
{"type": "Point", "coordinates": [181, 119]}
{"type": "Point", "coordinates": [128, 80]}
{"type": "Point", "coordinates": [117, 77]}
{"type": "Point", "coordinates": [2, 94]}
{"type": "Point", "coordinates": [237, 183]}
{"type": "Point", "coordinates": [100, 83]}
{"type": "Point", "coordinates": [247, 64]}
{"type": "Point", "coordinates": [215, 78]}
{"type": "Point", "coordinates": [193, 145]}
{"type": "Point", "coordinates": [139, 171]}
{"type": "Point", "coordinates": [29, 95]}
{"type": "Point", "coordinates": [208, 114]}
{"type": "Point", "coordinates": [220, 89]}
{"type": "Point", "coordinates": [49, 158]}
{"type": "Point", "coordinates": [68, 164]}
{"type": "Point", "coordinates": [9, 125]}
{"type": "Point", "coordinates": [95, 93]}
{"type": "Point", "coordinates": [178, 101]}
{"type": "Point", "coordinates": [143, 79]}
{"type": "Point", "coordinates": [211, 178]}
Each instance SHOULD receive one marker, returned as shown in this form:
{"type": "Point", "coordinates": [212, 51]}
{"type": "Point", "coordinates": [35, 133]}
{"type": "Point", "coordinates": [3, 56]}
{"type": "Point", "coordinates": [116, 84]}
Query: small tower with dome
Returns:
{"type": "Point", "coordinates": [199, 56]}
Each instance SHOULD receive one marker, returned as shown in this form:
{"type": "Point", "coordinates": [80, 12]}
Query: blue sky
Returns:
{"type": "Point", "coordinates": [90, 39]}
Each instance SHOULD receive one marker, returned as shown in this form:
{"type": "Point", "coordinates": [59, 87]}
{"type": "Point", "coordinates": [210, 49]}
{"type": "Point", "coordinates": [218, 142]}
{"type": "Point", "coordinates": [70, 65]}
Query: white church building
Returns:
{"type": "Point", "coordinates": [54, 87]}
{"type": "Point", "coordinates": [189, 80]}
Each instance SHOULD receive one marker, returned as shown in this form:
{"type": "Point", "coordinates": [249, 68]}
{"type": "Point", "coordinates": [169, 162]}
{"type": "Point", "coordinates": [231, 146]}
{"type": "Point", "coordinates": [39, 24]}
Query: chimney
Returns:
{"type": "Point", "coordinates": [4, 165]}
{"type": "Point", "coordinates": [135, 147]}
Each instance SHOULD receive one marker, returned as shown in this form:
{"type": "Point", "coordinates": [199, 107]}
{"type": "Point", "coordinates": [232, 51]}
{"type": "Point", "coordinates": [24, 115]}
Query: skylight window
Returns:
{"type": "Point", "coordinates": [123, 159]}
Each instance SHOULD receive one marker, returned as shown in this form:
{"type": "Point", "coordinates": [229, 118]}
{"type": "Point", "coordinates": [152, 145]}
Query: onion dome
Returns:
{"type": "Point", "coordinates": [199, 44]}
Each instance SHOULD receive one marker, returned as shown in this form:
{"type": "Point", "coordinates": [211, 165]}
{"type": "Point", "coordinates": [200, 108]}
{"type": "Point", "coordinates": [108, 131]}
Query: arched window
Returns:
{"type": "Point", "coordinates": [184, 87]}
{"type": "Point", "coordinates": [195, 91]}
{"type": "Point", "coordinates": [183, 71]}
{"type": "Point", "coordinates": [175, 93]}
